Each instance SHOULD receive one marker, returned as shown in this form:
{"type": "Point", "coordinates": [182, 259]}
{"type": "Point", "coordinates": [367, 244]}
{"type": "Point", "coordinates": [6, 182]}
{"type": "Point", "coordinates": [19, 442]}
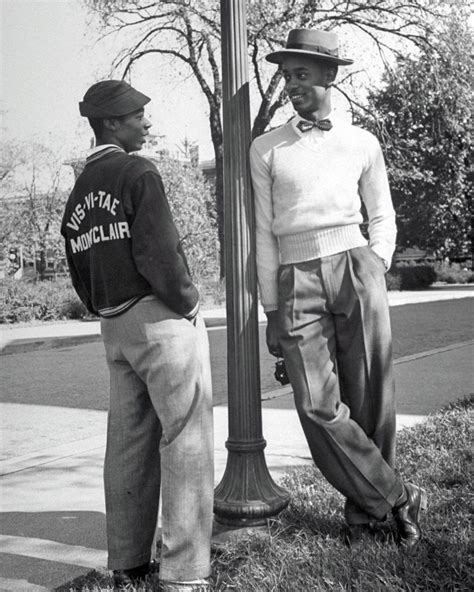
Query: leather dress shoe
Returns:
{"type": "Point", "coordinates": [357, 534]}
{"type": "Point", "coordinates": [407, 515]}
{"type": "Point", "coordinates": [127, 577]}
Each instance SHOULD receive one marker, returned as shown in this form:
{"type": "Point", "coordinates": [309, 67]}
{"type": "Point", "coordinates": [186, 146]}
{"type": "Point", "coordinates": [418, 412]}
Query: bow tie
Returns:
{"type": "Point", "coordinates": [323, 124]}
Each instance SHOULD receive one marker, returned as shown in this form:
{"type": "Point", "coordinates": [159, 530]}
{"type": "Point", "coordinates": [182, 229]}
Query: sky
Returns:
{"type": "Point", "coordinates": [50, 55]}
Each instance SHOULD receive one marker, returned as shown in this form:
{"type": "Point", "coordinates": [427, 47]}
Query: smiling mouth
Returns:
{"type": "Point", "coordinates": [296, 98]}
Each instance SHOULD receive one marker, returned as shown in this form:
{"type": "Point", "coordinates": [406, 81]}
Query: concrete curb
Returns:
{"type": "Point", "coordinates": [22, 346]}
{"type": "Point", "coordinates": [25, 345]}
{"type": "Point", "coordinates": [89, 331]}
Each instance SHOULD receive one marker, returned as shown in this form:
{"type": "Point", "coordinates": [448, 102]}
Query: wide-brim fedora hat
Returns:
{"type": "Point", "coordinates": [322, 45]}
{"type": "Point", "coordinates": [111, 98]}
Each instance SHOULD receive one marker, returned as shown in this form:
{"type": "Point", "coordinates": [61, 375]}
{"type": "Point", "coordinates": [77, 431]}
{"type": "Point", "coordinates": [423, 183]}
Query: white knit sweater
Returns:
{"type": "Point", "coordinates": [308, 189]}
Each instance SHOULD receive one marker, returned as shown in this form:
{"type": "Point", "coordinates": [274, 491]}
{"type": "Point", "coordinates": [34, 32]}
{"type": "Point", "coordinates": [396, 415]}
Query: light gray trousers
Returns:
{"type": "Point", "coordinates": [336, 339]}
{"type": "Point", "coordinates": [159, 433]}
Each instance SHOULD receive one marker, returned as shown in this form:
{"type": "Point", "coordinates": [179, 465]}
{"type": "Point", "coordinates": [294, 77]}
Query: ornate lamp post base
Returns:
{"type": "Point", "coordinates": [247, 495]}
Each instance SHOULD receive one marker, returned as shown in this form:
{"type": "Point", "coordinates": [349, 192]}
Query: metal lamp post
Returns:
{"type": "Point", "coordinates": [247, 495]}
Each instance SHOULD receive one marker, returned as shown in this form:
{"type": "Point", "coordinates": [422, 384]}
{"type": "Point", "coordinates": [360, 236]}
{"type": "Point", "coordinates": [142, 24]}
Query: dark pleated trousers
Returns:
{"type": "Point", "coordinates": [336, 338]}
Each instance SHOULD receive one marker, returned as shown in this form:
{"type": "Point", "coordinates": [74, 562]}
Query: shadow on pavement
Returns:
{"type": "Point", "coordinates": [71, 528]}
{"type": "Point", "coordinates": [21, 530]}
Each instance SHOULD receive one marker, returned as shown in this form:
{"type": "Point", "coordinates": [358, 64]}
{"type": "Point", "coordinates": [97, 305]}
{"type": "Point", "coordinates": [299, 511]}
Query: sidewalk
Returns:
{"type": "Point", "coordinates": [53, 513]}
{"type": "Point", "coordinates": [51, 461]}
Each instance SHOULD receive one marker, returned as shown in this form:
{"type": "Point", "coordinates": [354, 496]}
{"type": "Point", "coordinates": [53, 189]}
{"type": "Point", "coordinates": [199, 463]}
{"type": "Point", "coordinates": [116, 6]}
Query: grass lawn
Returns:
{"type": "Point", "coordinates": [303, 550]}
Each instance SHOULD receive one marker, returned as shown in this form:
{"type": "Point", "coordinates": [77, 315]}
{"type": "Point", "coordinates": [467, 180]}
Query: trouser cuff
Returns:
{"type": "Point", "coordinates": [386, 505]}
{"type": "Point", "coordinates": [115, 562]}
{"type": "Point", "coordinates": [185, 573]}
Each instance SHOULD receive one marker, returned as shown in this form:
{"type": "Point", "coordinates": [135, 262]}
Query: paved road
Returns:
{"type": "Point", "coordinates": [76, 376]}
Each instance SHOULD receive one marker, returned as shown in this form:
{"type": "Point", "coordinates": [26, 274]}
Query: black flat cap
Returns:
{"type": "Point", "coordinates": [111, 98]}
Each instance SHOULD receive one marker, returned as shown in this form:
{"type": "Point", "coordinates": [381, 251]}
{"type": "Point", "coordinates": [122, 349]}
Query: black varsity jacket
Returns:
{"type": "Point", "coordinates": [121, 241]}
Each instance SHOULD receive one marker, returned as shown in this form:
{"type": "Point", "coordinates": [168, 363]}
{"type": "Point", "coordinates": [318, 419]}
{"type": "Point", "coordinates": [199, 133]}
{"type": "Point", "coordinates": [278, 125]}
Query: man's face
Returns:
{"type": "Point", "coordinates": [131, 130]}
{"type": "Point", "coordinates": [306, 81]}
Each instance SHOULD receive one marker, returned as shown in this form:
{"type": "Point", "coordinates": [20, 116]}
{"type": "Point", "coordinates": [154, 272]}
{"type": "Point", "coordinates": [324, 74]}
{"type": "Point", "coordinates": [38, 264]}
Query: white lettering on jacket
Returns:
{"type": "Point", "coordinates": [100, 200]}
{"type": "Point", "coordinates": [99, 234]}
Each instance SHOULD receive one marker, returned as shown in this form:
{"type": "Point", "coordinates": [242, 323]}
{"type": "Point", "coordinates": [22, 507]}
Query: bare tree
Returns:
{"type": "Point", "coordinates": [189, 31]}
{"type": "Point", "coordinates": [32, 198]}
{"type": "Point", "coordinates": [10, 158]}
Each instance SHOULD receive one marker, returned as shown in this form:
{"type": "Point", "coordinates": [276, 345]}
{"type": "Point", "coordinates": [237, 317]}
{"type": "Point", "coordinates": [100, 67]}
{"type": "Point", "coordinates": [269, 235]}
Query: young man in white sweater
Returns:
{"type": "Point", "coordinates": [323, 289]}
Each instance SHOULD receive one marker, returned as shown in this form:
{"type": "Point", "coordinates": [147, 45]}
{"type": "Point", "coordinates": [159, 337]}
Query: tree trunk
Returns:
{"type": "Point", "coordinates": [41, 267]}
{"type": "Point", "coordinates": [219, 156]}
{"type": "Point", "coordinates": [217, 141]}
{"type": "Point", "coordinates": [259, 126]}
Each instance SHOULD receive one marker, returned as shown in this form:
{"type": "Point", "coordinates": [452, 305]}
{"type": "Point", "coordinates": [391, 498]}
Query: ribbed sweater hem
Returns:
{"type": "Point", "coordinates": [313, 244]}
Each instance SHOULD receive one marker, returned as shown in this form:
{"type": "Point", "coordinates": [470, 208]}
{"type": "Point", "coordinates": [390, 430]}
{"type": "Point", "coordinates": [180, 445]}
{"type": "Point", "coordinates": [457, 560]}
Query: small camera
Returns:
{"type": "Point", "coordinates": [280, 373]}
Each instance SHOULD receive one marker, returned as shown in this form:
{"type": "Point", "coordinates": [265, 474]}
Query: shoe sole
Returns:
{"type": "Point", "coordinates": [423, 505]}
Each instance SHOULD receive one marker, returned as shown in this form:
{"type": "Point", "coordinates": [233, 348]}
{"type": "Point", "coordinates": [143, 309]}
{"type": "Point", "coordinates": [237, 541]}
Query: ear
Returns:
{"type": "Point", "coordinates": [330, 74]}
{"type": "Point", "coordinates": [111, 124]}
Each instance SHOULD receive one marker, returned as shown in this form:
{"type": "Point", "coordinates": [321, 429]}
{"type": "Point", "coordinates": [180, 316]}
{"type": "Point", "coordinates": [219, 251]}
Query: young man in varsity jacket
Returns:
{"type": "Point", "coordinates": [128, 267]}
{"type": "Point", "coordinates": [323, 290]}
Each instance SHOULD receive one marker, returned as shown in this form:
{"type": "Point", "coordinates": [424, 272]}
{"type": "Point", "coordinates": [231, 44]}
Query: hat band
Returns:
{"type": "Point", "coordinates": [315, 48]}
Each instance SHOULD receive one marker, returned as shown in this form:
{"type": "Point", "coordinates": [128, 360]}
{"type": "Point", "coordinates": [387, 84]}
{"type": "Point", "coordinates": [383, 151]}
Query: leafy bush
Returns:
{"type": "Point", "coordinates": [24, 301]}
{"type": "Point", "coordinates": [212, 292]}
{"type": "Point", "coordinates": [72, 308]}
{"type": "Point", "coordinates": [393, 280]}
{"type": "Point", "coordinates": [415, 277]}
{"type": "Point", "coordinates": [192, 205]}
{"type": "Point", "coordinates": [427, 141]}
{"type": "Point", "coordinates": [454, 273]}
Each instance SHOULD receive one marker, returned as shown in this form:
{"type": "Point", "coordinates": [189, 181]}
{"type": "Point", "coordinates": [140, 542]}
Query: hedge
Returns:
{"type": "Point", "coordinates": [54, 300]}
{"type": "Point", "coordinates": [411, 277]}
{"type": "Point", "coordinates": [26, 301]}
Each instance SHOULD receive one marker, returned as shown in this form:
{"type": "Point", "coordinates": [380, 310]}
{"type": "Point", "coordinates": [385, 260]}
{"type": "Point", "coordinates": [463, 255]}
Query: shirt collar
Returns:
{"type": "Point", "coordinates": [98, 149]}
